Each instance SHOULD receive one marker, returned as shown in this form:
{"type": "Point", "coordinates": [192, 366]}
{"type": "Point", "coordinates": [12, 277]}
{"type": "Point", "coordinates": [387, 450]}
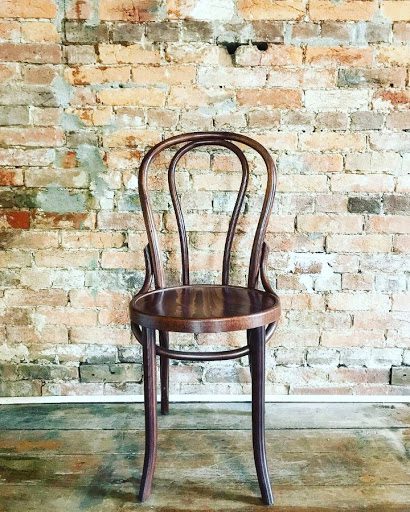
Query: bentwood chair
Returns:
{"type": "Point", "coordinates": [204, 308]}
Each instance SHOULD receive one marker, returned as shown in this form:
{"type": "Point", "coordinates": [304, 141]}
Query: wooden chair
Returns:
{"type": "Point", "coordinates": [204, 308]}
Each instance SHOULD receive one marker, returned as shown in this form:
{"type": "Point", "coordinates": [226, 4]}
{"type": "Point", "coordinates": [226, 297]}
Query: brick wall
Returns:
{"type": "Point", "coordinates": [86, 86]}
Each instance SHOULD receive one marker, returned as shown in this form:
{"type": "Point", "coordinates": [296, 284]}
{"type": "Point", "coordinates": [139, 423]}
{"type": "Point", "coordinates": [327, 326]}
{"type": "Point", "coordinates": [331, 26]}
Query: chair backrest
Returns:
{"type": "Point", "coordinates": [191, 141]}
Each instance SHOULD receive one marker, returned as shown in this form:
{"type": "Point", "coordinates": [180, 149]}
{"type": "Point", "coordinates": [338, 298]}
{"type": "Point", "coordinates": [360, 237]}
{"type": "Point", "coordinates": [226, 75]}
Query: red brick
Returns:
{"type": "Point", "coordinates": [15, 219]}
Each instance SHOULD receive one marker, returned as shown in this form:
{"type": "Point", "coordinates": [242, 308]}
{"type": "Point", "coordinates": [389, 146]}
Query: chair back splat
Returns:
{"type": "Point", "coordinates": [191, 141]}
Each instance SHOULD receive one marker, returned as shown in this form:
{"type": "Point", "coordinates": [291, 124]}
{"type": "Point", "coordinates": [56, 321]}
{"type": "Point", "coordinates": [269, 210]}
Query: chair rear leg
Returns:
{"type": "Point", "coordinates": [164, 373]}
{"type": "Point", "coordinates": [150, 405]}
{"type": "Point", "coordinates": [257, 351]}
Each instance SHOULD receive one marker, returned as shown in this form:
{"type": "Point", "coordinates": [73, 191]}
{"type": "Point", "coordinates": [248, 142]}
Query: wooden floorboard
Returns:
{"type": "Point", "coordinates": [88, 457]}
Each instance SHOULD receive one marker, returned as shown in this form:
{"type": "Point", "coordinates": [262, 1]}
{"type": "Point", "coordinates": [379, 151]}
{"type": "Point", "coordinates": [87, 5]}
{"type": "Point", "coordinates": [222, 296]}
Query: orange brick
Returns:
{"type": "Point", "coordinates": [358, 301]}
{"type": "Point", "coordinates": [39, 32]}
{"type": "Point", "coordinates": [402, 243]}
{"type": "Point", "coordinates": [37, 53]}
{"type": "Point", "coordinates": [396, 10]}
{"type": "Point", "coordinates": [128, 10]}
{"type": "Point", "coordinates": [121, 259]}
{"type": "Point", "coordinates": [64, 259]}
{"type": "Point", "coordinates": [10, 31]}
{"type": "Point", "coordinates": [302, 183]}
{"type": "Point", "coordinates": [346, 10]}
{"type": "Point", "coordinates": [100, 299]}
{"type": "Point", "coordinates": [275, 55]}
{"type": "Point", "coordinates": [116, 316]}
{"type": "Point", "coordinates": [66, 316]}
{"type": "Point", "coordinates": [41, 75]}
{"type": "Point", "coordinates": [85, 75]}
{"type": "Point", "coordinates": [331, 223]}
{"type": "Point", "coordinates": [166, 75]}
{"type": "Point", "coordinates": [101, 335]}
{"type": "Point", "coordinates": [393, 55]}
{"type": "Point", "coordinates": [11, 177]}
{"type": "Point", "coordinates": [339, 56]}
{"type": "Point", "coordinates": [132, 54]}
{"type": "Point", "coordinates": [131, 137]}
{"type": "Point", "coordinates": [34, 240]}
{"type": "Point", "coordinates": [8, 72]}
{"type": "Point", "coordinates": [359, 243]}
{"type": "Point", "coordinates": [389, 224]}
{"type": "Point", "coordinates": [132, 97]}
{"type": "Point", "coordinates": [352, 338]}
{"type": "Point", "coordinates": [36, 298]}
{"type": "Point", "coordinates": [272, 98]}
{"type": "Point", "coordinates": [79, 9]}
{"type": "Point", "coordinates": [120, 221]}
{"type": "Point", "coordinates": [28, 9]}
{"type": "Point", "coordinates": [97, 240]}
{"type": "Point", "coordinates": [47, 137]}
{"type": "Point", "coordinates": [271, 9]}
{"type": "Point", "coordinates": [196, 97]}
{"type": "Point", "coordinates": [362, 183]}
{"type": "Point", "coordinates": [333, 141]}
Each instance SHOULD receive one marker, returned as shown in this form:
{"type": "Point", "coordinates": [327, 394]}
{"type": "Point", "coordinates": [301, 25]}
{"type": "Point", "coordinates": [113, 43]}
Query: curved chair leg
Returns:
{"type": "Point", "coordinates": [164, 373]}
{"type": "Point", "coordinates": [150, 404]}
{"type": "Point", "coordinates": [257, 350]}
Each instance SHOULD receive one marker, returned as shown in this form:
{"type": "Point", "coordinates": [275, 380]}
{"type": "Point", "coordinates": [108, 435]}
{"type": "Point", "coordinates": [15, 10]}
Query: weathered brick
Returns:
{"type": "Point", "coordinates": [84, 33]}
{"type": "Point", "coordinates": [398, 121]}
{"type": "Point", "coordinates": [357, 77]}
{"type": "Point", "coordinates": [163, 31]}
{"type": "Point", "coordinates": [364, 205]}
{"type": "Point", "coordinates": [337, 99]}
{"type": "Point", "coordinates": [367, 120]}
{"type": "Point", "coordinates": [127, 32]}
{"type": "Point", "coordinates": [119, 372]}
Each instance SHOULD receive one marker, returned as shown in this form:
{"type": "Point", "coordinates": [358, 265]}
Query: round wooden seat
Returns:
{"type": "Point", "coordinates": [204, 308]}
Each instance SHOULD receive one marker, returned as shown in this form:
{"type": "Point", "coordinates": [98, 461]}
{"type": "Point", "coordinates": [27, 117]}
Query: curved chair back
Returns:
{"type": "Point", "coordinates": [191, 141]}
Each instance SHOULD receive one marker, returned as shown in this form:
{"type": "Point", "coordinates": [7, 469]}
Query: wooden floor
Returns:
{"type": "Point", "coordinates": [328, 457]}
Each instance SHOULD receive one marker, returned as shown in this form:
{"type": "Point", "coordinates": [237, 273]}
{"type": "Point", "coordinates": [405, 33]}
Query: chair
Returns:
{"type": "Point", "coordinates": [204, 308]}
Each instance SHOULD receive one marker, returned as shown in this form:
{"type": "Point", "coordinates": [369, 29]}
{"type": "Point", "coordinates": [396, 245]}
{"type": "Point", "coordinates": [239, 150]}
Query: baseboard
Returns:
{"type": "Point", "coordinates": [88, 399]}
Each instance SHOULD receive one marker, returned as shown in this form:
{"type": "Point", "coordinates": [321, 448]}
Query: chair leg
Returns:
{"type": "Point", "coordinates": [164, 373]}
{"type": "Point", "coordinates": [257, 350]}
{"type": "Point", "coordinates": [150, 404]}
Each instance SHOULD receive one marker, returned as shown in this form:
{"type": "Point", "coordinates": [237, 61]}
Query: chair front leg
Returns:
{"type": "Point", "coordinates": [150, 404]}
{"type": "Point", "coordinates": [164, 373]}
{"type": "Point", "coordinates": [256, 341]}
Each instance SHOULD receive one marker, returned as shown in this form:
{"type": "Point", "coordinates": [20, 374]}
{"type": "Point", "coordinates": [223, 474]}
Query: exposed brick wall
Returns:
{"type": "Point", "coordinates": [88, 85]}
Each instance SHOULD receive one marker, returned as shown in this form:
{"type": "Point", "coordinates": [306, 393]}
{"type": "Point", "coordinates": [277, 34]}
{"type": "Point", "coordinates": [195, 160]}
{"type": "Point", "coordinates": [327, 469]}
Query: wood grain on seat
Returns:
{"type": "Point", "coordinates": [205, 308]}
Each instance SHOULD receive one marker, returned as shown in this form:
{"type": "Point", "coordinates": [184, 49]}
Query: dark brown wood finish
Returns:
{"type": "Point", "coordinates": [205, 308]}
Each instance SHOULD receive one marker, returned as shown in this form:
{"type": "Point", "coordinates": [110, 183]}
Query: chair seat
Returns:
{"type": "Point", "coordinates": [204, 308]}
